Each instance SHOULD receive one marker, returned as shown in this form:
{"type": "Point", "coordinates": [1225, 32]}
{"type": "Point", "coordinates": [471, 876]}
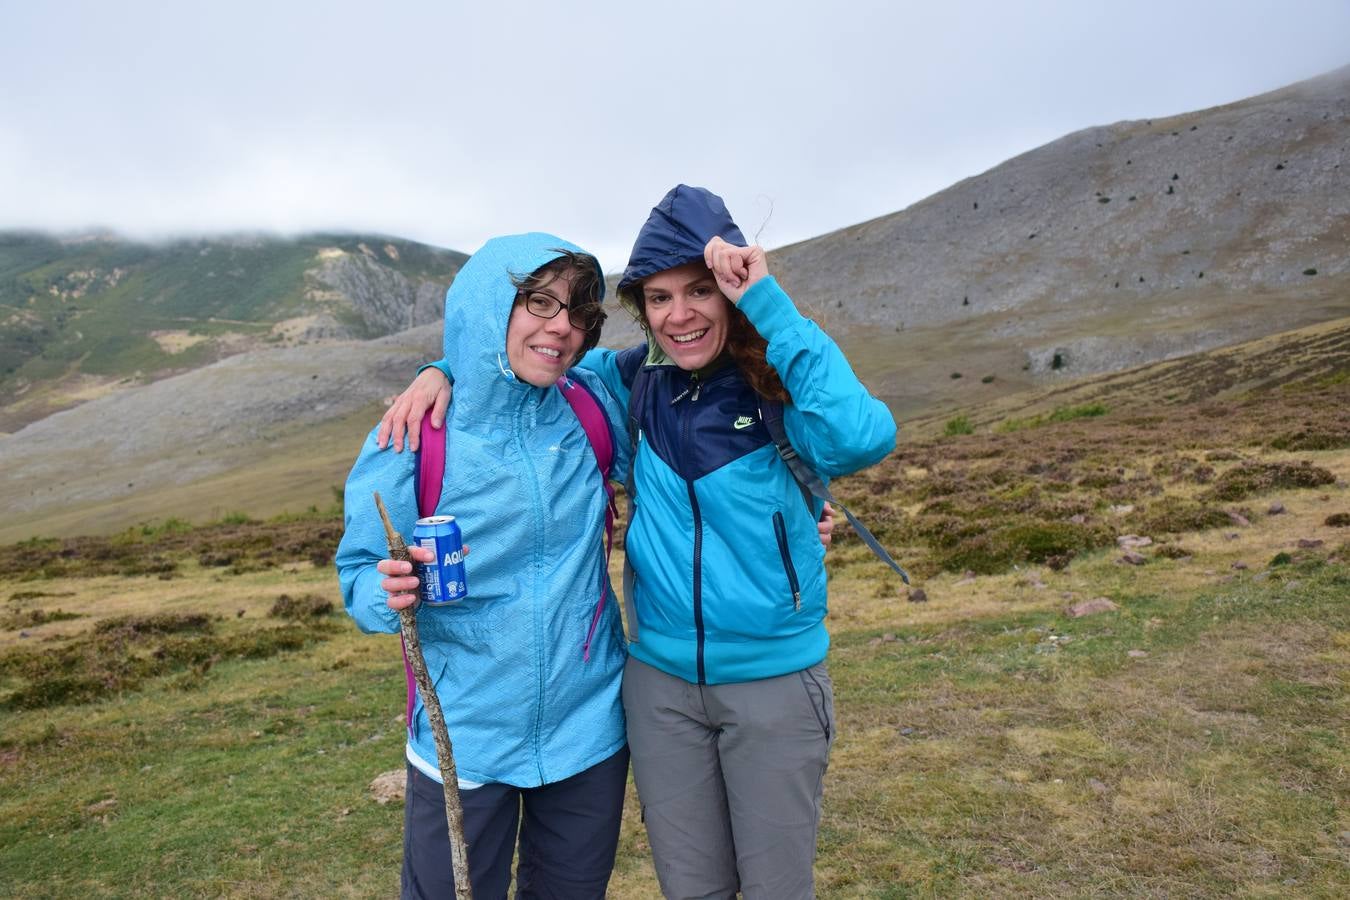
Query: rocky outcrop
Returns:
{"type": "Point", "coordinates": [384, 299]}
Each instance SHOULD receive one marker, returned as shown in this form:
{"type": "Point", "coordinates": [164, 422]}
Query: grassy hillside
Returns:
{"type": "Point", "coordinates": [75, 314]}
{"type": "Point", "coordinates": [162, 701]}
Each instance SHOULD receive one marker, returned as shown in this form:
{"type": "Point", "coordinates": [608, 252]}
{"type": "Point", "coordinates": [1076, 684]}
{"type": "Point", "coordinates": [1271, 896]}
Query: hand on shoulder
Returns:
{"type": "Point", "coordinates": [429, 391]}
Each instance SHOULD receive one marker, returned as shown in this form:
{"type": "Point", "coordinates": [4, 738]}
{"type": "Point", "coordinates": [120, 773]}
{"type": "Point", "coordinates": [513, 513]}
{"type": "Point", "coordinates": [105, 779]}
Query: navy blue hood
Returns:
{"type": "Point", "coordinates": [676, 232]}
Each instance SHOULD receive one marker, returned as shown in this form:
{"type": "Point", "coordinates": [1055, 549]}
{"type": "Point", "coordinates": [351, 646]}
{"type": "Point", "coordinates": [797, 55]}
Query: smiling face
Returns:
{"type": "Point", "coordinates": [687, 314]}
{"type": "Point", "coordinates": [541, 350]}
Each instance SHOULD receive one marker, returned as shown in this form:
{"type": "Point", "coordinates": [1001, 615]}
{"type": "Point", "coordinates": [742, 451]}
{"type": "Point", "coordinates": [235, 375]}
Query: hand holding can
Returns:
{"type": "Point", "coordinates": [401, 581]}
{"type": "Point", "coordinates": [441, 578]}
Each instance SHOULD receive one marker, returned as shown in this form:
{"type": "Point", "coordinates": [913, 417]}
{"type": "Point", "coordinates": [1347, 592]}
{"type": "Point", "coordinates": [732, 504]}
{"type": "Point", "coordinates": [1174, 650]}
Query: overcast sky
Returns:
{"type": "Point", "coordinates": [450, 122]}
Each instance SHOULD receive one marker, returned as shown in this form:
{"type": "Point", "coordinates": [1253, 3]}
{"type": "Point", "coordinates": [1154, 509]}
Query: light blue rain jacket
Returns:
{"type": "Point", "coordinates": [522, 706]}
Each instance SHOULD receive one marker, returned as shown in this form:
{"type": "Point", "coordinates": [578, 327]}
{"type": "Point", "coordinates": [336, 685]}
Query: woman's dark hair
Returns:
{"type": "Point", "coordinates": [747, 347]}
{"type": "Point", "coordinates": [587, 286]}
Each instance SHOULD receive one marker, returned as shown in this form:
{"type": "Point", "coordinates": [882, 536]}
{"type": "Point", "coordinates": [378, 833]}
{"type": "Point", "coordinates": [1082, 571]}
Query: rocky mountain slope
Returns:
{"type": "Point", "coordinates": [1112, 246]}
{"type": "Point", "coordinates": [79, 316]}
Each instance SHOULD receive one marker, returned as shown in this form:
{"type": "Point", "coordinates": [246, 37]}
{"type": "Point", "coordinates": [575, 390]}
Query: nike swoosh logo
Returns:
{"type": "Point", "coordinates": [743, 422]}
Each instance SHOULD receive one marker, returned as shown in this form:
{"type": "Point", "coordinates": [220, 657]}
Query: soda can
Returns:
{"type": "Point", "coordinates": [442, 581]}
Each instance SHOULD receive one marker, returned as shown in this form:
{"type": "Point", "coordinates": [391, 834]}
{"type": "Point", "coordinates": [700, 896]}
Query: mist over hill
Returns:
{"type": "Point", "coordinates": [241, 372]}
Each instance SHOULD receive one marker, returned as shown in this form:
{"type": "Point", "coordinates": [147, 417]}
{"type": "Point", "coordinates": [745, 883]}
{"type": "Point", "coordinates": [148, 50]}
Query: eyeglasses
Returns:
{"type": "Point", "coordinates": [584, 316]}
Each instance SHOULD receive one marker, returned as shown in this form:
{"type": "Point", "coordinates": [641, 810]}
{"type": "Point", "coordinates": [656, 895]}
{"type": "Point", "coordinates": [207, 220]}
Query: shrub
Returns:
{"type": "Point", "coordinates": [33, 617]}
{"type": "Point", "coordinates": [992, 551]}
{"type": "Point", "coordinates": [1247, 479]}
{"type": "Point", "coordinates": [1176, 515]}
{"type": "Point", "coordinates": [304, 607]}
{"type": "Point", "coordinates": [168, 526]}
{"type": "Point", "coordinates": [1087, 411]}
{"type": "Point", "coordinates": [958, 425]}
{"type": "Point", "coordinates": [122, 653]}
{"type": "Point", "coordinates": [159, 623]}
{"type": "Point", "coordinates": [1312, 440]}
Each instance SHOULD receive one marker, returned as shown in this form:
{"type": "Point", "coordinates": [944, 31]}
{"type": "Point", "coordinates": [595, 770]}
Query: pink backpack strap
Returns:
{"type": "Point", "coordinates": [430, 468]}
{"type": "Point", "coordinates": [430, 474]}
{"type": "Point", "coordinates": [596, 425]}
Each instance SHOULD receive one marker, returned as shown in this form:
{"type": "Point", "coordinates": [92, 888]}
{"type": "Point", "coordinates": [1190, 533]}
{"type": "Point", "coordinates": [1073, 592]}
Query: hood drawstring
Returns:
{"type": "Point", "coordinates": [506, 370]}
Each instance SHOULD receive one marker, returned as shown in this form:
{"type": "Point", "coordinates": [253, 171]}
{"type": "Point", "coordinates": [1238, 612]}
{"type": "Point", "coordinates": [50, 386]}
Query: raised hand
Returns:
{"type": "Point", "coordinates": [735, 268]}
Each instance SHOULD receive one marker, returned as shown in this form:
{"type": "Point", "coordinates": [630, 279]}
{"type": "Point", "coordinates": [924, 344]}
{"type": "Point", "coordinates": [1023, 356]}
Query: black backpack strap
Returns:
{"type": "Point", "coordinates": [771, 414]}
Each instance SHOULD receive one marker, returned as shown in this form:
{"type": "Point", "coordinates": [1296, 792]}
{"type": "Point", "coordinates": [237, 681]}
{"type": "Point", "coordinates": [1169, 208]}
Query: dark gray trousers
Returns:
{"type": "Point", "coordinates": [730, 777]}
{"type": "Point", "coordinates": [567, 841]}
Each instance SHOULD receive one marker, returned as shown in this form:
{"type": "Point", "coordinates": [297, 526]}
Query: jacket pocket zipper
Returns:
{"type": "Point", "coordinates": [780, 531]}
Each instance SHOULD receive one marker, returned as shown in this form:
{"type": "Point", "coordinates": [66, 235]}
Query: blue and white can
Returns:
{"type": "Point", "coordinates": [442, 581]}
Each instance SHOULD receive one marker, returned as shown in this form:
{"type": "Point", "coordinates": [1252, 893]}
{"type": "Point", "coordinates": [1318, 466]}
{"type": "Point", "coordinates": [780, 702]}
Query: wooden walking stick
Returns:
{"type": "Point", "coordinates": [454, 813]}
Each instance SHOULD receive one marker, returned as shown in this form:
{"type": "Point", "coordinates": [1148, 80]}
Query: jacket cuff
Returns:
{"type": "Point", "coordinates": [441, 364]}
{"type": "Point", "coordinates": [769, 308]}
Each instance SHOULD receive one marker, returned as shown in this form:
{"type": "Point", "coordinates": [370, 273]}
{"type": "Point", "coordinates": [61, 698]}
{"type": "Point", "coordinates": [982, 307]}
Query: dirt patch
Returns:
{"type": "Point", "coordinates": [174, 342]}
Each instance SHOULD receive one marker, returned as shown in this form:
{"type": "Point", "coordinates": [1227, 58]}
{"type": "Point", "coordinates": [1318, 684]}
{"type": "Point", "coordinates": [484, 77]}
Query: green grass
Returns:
{"type": "Point", "coordinates": [1031, 755]}
{"type": "Point", "coordinates": [1191, 743]}
{"type": "Point", "coordinates": [1059, 414]}
{"type": "Point", "coordinates": [1010, 754]}
{"type": "Point", "coordinates": [249, 781]}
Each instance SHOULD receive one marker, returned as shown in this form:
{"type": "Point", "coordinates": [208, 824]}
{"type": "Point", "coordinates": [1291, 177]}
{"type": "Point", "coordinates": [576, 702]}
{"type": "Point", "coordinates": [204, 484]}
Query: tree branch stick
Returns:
{"type": "Point", "coordinates": [454, 813]}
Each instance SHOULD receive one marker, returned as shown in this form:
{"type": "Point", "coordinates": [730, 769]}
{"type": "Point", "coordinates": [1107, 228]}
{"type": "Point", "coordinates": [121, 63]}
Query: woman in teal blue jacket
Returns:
{"type": "Point", "coordinates": [535, 719]}
{"type": "Point", "coordinates": [729, 705]}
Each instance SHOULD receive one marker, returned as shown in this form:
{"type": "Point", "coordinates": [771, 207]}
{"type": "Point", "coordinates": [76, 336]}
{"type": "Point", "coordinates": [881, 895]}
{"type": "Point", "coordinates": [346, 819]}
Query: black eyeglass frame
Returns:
{"type": "Point", "coordinates": [592, 312]}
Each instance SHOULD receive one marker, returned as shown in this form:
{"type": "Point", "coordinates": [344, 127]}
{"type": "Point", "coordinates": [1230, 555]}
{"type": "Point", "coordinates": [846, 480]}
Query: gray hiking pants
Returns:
{"type": "Point", "coordinates": [730, 778]}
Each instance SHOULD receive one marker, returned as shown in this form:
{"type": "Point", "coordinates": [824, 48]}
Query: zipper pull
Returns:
{"type": "Point", "coordinates": [796, 601]}
{"type": "Point", "coordinates": [695, 384]}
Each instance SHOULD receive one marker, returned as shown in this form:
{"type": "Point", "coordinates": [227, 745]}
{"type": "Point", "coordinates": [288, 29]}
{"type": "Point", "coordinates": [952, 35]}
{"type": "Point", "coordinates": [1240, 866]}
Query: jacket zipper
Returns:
{"type": "Point", "coordinates": [780, 531]}
{"type": "Point", "coordinates": [536, 558]}
{"type": "Point", "coordinates": [698, 579]}
{"type": "Point", "coordinates": [692, 393]}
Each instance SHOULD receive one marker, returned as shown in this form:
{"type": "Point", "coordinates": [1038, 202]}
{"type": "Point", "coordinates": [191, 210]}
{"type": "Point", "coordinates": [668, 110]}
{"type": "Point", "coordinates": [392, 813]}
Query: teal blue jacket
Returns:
{"type": "Point", "coordinates": [730, 582]}
{"type": "Point", "coordinates": [522, 706]}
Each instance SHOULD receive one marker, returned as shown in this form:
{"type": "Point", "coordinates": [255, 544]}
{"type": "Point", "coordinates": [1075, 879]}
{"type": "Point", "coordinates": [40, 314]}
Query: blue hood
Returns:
{"type": "Point", "coordinates": [676, 232]}
{"type": "Point", "coordinates": [477, 311]}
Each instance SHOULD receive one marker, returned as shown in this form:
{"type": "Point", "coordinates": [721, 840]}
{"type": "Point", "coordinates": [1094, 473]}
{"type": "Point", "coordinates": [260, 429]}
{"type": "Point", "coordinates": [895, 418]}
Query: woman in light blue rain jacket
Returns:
{"type": "Point", "coordinates": [531, 720]}
{"type": "Point", "coordinates": [729, 705]}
